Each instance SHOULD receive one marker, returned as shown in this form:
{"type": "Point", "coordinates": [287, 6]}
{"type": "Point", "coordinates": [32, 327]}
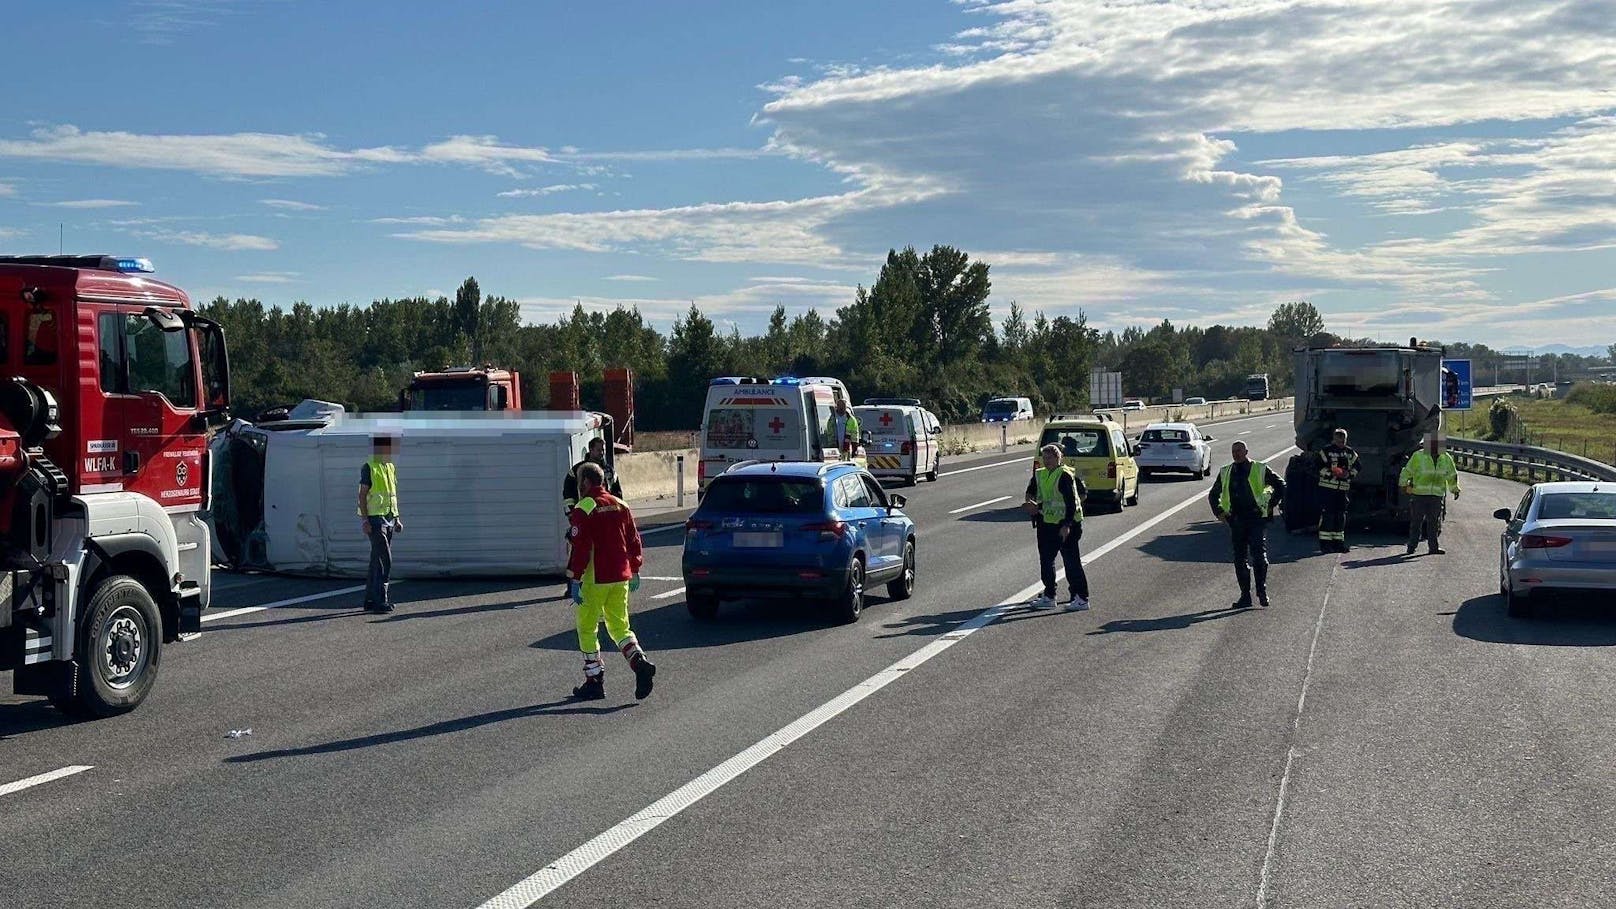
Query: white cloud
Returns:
{"type": "Point", "coordinates": [422, 220]}
{"type": "Point", "coordinates": [672, 154]}
{"type": "Point", "coordinates": [628, 278]}
{"type": "Point", "coordinates": [291, 205]}
{"type": "Point", "coordinates": [485, 152]}
{"type": "Point", "coordinates": [270, 277]}
{"type": "Point", "coordinates": [550, 190]}
{"type": "Point", "coordinates": [229, 242]}
{"type": "Point", "coordinates": [231, 155]}
{"type": "Point", "coordinates": [89, 203]}
{"type": "Point", "coordinates": [751, 302]}
{"type": "Point", "coordinates": [162, 21]}
{"type": "Point", "coordinates": [7, 189]}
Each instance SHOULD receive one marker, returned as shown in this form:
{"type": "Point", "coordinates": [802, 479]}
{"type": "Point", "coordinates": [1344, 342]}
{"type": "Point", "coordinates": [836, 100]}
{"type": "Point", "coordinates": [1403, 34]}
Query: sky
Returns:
{"type": "Point", "coordinates": [1439, 169]}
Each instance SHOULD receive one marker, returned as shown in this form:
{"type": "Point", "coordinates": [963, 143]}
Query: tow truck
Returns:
{"type": "Point", "coordinates": [112, 386]}
{"type": "Point", "coordinates": [485, 387]}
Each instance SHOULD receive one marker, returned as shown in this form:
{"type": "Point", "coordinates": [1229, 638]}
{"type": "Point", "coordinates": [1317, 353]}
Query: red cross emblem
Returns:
{"type": "Point", "coordinates": [886, 419]}
{"type": "Point", "coordinates": [777, 424]}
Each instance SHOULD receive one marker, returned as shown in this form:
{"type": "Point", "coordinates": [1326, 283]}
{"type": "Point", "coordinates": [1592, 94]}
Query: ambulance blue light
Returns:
{"type": "Point", "coordinates": [785, 380]}
{"type": "Point", "coordinates": [132, 265]}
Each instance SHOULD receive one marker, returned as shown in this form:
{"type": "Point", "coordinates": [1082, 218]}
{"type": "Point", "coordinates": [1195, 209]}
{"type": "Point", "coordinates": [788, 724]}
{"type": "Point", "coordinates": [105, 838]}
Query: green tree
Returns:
{"type": "Point", "coordinates": [1296, 323]}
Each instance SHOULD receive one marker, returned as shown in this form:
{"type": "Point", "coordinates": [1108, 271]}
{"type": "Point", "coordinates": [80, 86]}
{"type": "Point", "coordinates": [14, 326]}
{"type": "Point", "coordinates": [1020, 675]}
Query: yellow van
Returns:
{"type": "Point", "coordinates": [1097, 450]}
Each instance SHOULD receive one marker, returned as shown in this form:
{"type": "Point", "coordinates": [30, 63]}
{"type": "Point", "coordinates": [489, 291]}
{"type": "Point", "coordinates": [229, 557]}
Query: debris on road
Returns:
{"type": "Point", "coordinates": [238, 733]}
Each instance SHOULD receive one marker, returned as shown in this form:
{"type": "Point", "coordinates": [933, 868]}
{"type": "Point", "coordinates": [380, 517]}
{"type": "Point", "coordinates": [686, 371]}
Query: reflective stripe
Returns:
{"type": "Point", "coordinates": [1050, 502]}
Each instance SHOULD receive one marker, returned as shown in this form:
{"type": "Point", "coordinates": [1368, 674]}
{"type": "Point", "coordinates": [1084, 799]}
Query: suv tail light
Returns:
{"type": "Point", "coordinates": [827, 530]}
{"type": "Point", "coordinates": [1543, 541]}
{"type": "Point", "coordinates": [701, 471]}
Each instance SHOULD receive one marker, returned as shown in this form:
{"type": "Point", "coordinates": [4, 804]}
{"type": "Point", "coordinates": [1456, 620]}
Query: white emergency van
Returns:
{"type": "Point", "coordinates": [905, 438]}
{"type": "Point", "coordinates": [783, 419]}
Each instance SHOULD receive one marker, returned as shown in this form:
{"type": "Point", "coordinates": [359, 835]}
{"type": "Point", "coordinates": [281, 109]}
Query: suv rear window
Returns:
{"type": "Point", "coordinates": [765, 495]}
{"type": "Point", "coordinates": [1078, 443]}
{"type": "Point", "coordinates": [1165, 435]}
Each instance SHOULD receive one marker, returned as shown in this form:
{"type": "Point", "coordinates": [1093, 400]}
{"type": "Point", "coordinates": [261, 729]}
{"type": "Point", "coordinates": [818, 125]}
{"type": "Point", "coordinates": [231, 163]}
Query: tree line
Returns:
{"type": "Point", "coordinates": [923, 328]}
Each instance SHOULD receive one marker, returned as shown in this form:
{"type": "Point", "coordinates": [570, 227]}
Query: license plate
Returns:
{"type": "Point", "coordinates": [753, 540]}
{"type": "Point", "coordinates": [1603, 547]}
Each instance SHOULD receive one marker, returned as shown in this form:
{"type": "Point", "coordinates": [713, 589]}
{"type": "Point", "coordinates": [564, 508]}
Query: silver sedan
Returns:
{"type": "Point", "coordinates": [1561, 537]}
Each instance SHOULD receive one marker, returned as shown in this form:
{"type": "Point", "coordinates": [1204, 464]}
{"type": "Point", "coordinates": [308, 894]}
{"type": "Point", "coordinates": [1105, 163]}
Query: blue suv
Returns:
{"type": "Point", "coordinates": [789, 529]}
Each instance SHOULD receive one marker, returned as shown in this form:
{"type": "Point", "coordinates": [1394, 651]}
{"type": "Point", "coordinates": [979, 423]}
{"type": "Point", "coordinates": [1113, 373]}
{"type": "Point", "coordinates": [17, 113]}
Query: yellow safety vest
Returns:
{"type": "Point", "coordinates": [1260, 489]}
{"type": "Point", "coordinates": [383, 498]}
{"type": "Point", "coordinates": [1430, 477]}
{"type": "Point", "coordinates": [1049, 497]}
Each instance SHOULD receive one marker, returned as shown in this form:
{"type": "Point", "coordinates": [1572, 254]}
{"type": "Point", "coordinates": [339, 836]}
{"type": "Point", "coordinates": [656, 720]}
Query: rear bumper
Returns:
{"type": "Point", "coordinates": [770, 582]}
{"type": "Point", "coordinates": [1536, 577]}
{"type": "Point", "coordinates": [1190, 462]}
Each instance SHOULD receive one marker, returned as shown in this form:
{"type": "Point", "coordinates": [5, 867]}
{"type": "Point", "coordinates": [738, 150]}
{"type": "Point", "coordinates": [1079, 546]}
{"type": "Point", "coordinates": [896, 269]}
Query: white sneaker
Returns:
{"type": "Point", "coordinates": [1041, 601]}
{"type": "Point", "coordinates": [1077, 604]}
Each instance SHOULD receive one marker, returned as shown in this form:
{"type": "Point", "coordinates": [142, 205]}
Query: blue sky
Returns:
{"type": "Point", "coordinates": [1440, 169]}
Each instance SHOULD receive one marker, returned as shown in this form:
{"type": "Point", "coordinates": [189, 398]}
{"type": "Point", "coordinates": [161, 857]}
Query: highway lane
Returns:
{"type": "Point", "coordinates": [422, 759]}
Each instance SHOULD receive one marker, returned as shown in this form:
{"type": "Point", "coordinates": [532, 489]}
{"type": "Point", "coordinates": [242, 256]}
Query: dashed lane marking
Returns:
{"type": "Point", "coordinates": [33, 781]}
{"type": "Point", "coordinates": [980, 504]}
{"type": "Point", "coordinates": [294, 601]}
{"type": "Point", "coordinates": [552, 876]}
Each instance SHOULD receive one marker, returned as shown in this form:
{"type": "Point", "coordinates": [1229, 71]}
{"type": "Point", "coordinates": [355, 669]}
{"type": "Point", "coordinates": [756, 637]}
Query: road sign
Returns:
{"type": "Point", "coordinates": [1105, 389]}
{"type": "Point", "coordinates": [1456, 388]}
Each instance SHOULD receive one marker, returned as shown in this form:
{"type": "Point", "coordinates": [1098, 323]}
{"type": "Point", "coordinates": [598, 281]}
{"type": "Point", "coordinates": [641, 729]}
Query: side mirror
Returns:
{"type": "Point", "coordinates": [1137, 451]}
{"type": "Point", "coordinates": [897, 501]}
{"type": "Point", "coordinates": [215, 361]}
{"type": "Point", "coordinates": [1503, 514]}
{"type": "Point", "coordinates": [163, 319]}
{"type": "Point", "coordinates": [1208, 439]}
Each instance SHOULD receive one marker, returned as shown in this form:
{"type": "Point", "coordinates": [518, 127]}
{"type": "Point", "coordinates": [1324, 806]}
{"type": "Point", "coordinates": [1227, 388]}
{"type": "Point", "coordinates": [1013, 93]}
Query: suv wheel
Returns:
{"type": "Point", "coordinates": [702, 606]}
{"type": "Point", "coordinates": [850, 602]}
{"type": "Point", "coordinates": [903, 587]}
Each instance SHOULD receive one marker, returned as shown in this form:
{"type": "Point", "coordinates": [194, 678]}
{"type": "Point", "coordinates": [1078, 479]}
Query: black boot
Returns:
{"type": "Point", "coordinates": [1262, 597]}
{"type": "Point", "coordinates": [644, 675]}
{"type": "Point", "coordinates": [593, 688]}
{"type": "Point", "coordinates": [1244, 602]}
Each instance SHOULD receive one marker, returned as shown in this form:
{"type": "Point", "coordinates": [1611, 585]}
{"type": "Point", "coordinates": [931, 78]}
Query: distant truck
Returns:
{"type": "Point", "coordinates": [461, 388]}
{"type": "Point", "coordinates": [1387, 399]}
{"type": "Point", "coordinates": [1257, 387]}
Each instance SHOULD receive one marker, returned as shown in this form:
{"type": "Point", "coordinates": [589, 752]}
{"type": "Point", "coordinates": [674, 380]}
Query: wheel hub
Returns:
{"type": "Point", "coordinates": [123, 649]}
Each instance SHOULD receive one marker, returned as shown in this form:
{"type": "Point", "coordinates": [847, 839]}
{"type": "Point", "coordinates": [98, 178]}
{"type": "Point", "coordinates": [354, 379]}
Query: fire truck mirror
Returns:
{"type": "Point", "coordinates": [163, 319]}
{"type": "Point", "coordinates": [215, 369]}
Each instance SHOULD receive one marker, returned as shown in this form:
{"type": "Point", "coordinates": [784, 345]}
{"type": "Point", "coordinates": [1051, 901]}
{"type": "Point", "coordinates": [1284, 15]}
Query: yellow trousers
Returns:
{"type": "Point", "coordinates": [602, 602]}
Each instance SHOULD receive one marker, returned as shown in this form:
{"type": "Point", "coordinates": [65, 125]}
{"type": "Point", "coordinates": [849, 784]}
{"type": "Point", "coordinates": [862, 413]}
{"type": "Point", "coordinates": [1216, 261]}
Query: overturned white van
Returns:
{"type": "Point", "coordinates": [480, 492]}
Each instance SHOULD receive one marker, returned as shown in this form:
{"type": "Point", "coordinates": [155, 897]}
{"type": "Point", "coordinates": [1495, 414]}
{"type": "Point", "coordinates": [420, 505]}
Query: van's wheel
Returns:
{"type": "Point", "coordinates": [120, 648]}
{"type": "Point", "coordinates": [850, 602]}
{"type": "Point", "coordinates": [903, 587]}
{"type": "Point", "coordinates": [702, 606]}
{"type": "Point", "coordinates": [1134, 499]}
{"type": "Point", "coordinates": [931, 475]}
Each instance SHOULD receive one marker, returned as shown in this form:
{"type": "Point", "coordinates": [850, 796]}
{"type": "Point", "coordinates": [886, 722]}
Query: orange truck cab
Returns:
{"type": "Point", "coordinates": [461, 388]}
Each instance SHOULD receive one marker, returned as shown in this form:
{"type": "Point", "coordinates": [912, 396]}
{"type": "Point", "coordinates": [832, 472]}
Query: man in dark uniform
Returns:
{"type": "Point", "coordinates": [1244, 496]}
{"type": "Point", "coordinates": [596, 455]}
{"type": "Point", "coordinates": [1337, 465]}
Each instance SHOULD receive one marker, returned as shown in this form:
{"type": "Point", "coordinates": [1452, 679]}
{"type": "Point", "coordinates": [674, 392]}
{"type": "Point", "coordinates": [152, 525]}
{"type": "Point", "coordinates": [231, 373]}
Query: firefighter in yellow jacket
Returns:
{"type": "Point", "coordinates": [1427, 478]}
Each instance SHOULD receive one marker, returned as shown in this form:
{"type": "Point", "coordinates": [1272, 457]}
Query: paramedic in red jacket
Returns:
{"type": "Point", "coordinates": [604, 568]}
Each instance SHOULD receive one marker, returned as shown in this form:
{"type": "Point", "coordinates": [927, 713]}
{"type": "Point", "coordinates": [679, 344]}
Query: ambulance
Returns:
{"type": "Point", "coordinates": [781, 419]}
{"type": "Point", "coordinates": [904, 438]}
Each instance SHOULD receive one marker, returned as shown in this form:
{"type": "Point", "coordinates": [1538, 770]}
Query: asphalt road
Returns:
{"type": "Point", "coordinates": [1383, 736]}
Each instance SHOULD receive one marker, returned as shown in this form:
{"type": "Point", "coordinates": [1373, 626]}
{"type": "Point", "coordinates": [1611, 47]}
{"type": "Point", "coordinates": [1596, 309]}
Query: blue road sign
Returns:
{"type": "Point", "coordinates": [1456, 390]}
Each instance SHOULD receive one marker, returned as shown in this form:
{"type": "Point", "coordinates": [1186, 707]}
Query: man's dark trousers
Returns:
{"type": "Point", "coordinates": [1250, 539]}
{"type": "Point", "coordinates": [1049, 544]}
{"type": "Point", "coordinates": [381, 562]}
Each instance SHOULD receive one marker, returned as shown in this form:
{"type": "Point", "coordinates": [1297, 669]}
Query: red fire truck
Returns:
{"type": "Point", "coordinates": [112, 386]}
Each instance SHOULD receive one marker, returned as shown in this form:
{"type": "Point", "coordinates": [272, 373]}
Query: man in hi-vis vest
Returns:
{"type": "Point", "coordinates": [1244, 496]}
{"type": "Point", "coordinates": [379, 518]}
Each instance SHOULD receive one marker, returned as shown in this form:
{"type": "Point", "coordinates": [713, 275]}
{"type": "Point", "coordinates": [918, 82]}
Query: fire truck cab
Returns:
{"type": "Point", "coordinates": [111, 387]}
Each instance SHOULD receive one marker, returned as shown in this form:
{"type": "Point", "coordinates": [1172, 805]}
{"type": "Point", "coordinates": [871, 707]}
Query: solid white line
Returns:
{"type": "Point", "coordinates": [545, 881]}
{"type": "Point", "coordinates": [325, 595]}
{"type": "Point", "coordinates": [1244, 432]}
{"type": "Point", "coordinates": [980, 504]}
{"type": "Point", "coordinates": [20, 785]}
{"type": "Point", "coordinates": [671, 593]}
{"type": "Point", "coordinates": [1290, 754]}
{"type": "Point", "coordinates": [1024, 459]}
{"type": "Point", "coordinates": [657, 577]}
{"type": "Point", "coordinates": [678, 526]}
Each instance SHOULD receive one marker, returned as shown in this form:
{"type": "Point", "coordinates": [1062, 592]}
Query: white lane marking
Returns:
{"type": "Point", "coordinates": [658, 577]}
{"type": "Point", "coordinates": [980, 504]}
{"type": "Point", "coordinates": [678, 526]}
{"type": "Point", "coordinates": [1243, 432]}
{"type": "Point", "coordinates": [245, 610]}
{"type": "Point", "coordinates": [1024, 459]}
{"type": "Point", "coordinates": [671, 593]}
{"type": "Point", "coordinates": [1273, 426]}
{"type": "Point", "coordinates": [547, 879]}
{"type": "Point", "coordinates": [32, 781]}
{"type": "Point", "coordinates": [1290, 755]}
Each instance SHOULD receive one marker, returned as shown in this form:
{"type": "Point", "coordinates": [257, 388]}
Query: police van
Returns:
{"type": "Point", "coordinates": [782, 419]}
{"type": "Point", "coordinates": [905, 439]}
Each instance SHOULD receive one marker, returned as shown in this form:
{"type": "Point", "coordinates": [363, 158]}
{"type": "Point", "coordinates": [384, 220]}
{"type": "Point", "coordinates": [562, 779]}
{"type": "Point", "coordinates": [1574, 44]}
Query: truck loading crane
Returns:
{"type": "Point", "coordinates": [463, 388]}
{"type": "Point", "coordinates": [113, 384]}
{"type": "Point", "coordinates": [1387, 399]}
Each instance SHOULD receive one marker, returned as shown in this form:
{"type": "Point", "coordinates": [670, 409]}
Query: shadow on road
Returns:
{"type": "Point", "coordinates": [405, 594]}
{"type": "Point", "coordinates": [999, 516]}
{"type": "Point", "coordinates": [31, 716]}
{"type": "Point", "coordinates": [671, 627]}
{"type": "Point", "coordinates": [1167, 622]}
{"type": "Point", "coordinates": [1208, 542]}
{"type": "Point", "coordinates": [444, 727]}
{"type": "Point", "coordinates": [1571, 622]}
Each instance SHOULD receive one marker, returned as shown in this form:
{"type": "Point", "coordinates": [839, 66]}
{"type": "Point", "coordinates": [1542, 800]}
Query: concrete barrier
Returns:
{"type": "Point", "coordinates": [652, 477]}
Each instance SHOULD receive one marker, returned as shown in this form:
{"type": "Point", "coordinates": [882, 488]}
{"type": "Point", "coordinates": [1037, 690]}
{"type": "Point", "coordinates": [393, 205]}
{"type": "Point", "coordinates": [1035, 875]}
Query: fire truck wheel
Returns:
{"type": "Point", "coordinates": [120, 648]}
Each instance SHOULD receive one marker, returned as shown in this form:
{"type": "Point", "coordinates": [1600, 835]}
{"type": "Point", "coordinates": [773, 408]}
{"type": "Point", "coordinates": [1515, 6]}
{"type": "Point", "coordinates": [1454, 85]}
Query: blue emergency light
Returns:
{"type": "Point", "coordinates": [785, 380]}
{"type": "Point", "coordinates": [133, 265]}
{"type": "Point", "coordinates": [733, 380]}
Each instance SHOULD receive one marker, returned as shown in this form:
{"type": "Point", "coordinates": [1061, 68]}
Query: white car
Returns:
{"type": "Point", "coordinates": [1133, 405]}
{"type": "Point", "coordinates": [1177, 447]}
{"type": "Point", "coordinates": [1194, 402]}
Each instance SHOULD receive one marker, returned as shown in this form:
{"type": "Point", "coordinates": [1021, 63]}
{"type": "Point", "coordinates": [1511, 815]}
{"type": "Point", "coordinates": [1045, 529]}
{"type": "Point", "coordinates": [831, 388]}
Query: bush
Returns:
{"type": "Point", "coordinates": [1503, 419]}
{"type": "Point", "coordinates": [1597, 398]}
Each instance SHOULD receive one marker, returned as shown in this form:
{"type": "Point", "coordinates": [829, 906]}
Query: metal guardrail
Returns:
{"type": "Point", "coordinates": [1525, 462]}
